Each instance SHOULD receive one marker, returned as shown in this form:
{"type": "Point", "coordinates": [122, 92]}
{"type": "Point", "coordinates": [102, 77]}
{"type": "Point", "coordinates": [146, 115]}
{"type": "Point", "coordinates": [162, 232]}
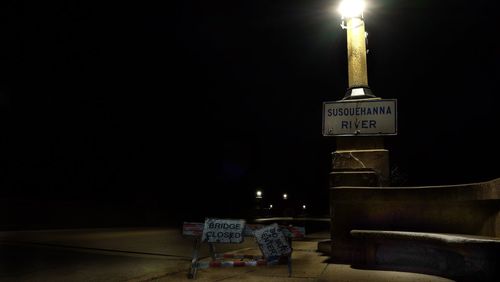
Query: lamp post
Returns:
{"type": "Point", "coordinates": [258, 203]}
{"type": "Point", "coordinates": [358, 122]}
{"type": "Point", "coordinates": [352, 16]}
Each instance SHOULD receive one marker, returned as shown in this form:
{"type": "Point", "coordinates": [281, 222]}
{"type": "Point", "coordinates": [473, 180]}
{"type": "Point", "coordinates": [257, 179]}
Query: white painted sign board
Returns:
{"type": "Point", "coordinates": [360, 117]}
{"type": "Point", "coordinates": [223, 230]}
{"type": "Point", "coordinates": [272, 242]}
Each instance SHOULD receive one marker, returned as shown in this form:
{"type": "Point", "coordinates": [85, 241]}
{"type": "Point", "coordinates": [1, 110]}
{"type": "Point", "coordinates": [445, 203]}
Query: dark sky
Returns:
{"type": "Point", "coordinates": [198, 101]}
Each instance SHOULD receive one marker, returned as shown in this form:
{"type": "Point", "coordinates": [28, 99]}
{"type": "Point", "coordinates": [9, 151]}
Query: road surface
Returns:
{"type": "Point", "coordinates": [94, 254]}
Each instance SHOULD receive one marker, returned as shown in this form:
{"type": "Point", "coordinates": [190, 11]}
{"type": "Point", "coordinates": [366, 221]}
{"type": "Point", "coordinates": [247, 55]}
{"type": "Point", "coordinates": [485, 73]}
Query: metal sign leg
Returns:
{"type": "Point", "coordinates": [211, 250]}
{"type": "Point", "coordinates": [289, 265]}
{"type": "Point", "coordinates": [194, 261]}
{"type": "Point", "coordinates": [290, 258]}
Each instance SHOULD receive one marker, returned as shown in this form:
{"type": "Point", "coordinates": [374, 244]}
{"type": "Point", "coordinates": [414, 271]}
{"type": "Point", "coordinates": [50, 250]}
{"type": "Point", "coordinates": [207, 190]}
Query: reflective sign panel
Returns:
{"type": "Point", "coordinates": [360, 117]}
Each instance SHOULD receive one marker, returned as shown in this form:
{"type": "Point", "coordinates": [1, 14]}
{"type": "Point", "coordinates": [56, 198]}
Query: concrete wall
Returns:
{"type": "Point", "coordinates": [464, 209]}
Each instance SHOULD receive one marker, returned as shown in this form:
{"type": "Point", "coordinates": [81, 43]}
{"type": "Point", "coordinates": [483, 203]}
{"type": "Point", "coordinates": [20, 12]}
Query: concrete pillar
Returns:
{"type": "Point", "coordinates": [360, 161]}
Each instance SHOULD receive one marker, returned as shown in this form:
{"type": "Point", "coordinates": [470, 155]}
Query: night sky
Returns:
{"type": "Point", "coordinates": [193, 105]}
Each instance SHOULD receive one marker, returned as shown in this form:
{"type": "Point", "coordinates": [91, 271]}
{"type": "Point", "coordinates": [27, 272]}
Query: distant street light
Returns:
{"type": "Point", "coordinates": [303, 207]}
{"type": "Point", "coordinates": [270, 206]}
{"type": "Point", "coordinates": [285, 196]}
{"type": "Point", "coordinates": [258, 194]}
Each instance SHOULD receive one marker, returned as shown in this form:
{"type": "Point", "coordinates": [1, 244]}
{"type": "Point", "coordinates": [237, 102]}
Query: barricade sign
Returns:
{"type": "Point", "coordinates": [272, 242]}
{"type": "Point", "coordinates": [275, 242]}
{"type": "Point", "coordinates": [223, 230]}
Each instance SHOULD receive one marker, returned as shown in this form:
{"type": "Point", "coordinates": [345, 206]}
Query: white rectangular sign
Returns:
{"type": "Point", "coordinates": [223, 230]}
{"type": "Point", "coordinates": [360, 117]}
{"type": "Point", "coordinates": [272, 242]}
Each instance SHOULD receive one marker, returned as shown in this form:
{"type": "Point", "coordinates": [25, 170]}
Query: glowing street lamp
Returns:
{"type": "Point", "coordinates": [353, 23]}
{"type": "Point", "coordinates": [351, 8]}
{"type": "Point", "coordinates": [285, 196]}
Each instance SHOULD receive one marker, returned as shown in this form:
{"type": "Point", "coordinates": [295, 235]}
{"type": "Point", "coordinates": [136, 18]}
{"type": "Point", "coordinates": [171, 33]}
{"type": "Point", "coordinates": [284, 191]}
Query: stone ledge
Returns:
{"type": "Point", "coordinates": [424, 236]}
{"type": "Point", "coordinates": [489, 190]}
{"type": "Point", "coordinates": [451, 255]}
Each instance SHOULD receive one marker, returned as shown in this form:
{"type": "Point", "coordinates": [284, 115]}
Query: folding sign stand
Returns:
{"type": "Point", "coordinates": [196, 252]}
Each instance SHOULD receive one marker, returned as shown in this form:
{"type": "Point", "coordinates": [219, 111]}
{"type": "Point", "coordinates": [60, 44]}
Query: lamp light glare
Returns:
{"type": "Point", "coordinates": [285, 196]}
{"type": "Point", "coordinates": [351, 8]}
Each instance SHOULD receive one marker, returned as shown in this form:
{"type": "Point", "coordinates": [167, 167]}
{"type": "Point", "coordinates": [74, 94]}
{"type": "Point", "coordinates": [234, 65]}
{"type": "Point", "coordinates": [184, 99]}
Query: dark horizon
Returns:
{"type": "Point", "coordinates": [194, 105]}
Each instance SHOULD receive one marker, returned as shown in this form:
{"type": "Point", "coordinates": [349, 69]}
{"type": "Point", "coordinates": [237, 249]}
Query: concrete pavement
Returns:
{"type": "Point", "coordinates": [158, 255]}
{"type": "Point", "coordinates": [307, 265]}
{"type": "Point", "coordinates": [124, 254]}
